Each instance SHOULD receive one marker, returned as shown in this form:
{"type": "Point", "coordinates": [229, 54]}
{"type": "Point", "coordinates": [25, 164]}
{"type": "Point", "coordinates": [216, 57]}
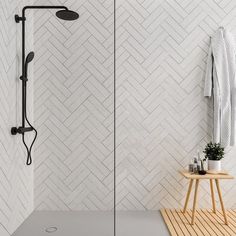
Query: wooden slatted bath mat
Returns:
{"type": "Point", "coordinates": [207, 223]}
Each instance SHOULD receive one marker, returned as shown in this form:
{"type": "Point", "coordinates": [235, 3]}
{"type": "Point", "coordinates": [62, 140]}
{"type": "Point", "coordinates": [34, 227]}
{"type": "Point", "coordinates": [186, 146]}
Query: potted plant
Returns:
{"type": "Point", "coordinates": [214, 152]}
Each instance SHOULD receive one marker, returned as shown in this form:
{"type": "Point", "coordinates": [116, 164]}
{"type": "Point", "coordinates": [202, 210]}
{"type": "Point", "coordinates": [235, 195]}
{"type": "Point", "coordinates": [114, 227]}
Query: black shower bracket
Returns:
{"type": "Point", "coordinates": [19, 18]}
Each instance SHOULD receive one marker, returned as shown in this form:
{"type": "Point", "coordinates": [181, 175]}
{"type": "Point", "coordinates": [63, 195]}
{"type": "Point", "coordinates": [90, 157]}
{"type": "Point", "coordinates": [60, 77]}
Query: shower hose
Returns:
{"type": "Point", "coordinates": [28, 149]}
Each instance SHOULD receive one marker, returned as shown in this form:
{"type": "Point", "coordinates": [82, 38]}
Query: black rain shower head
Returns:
{"type": "Point", "coordinates": [67, 15]}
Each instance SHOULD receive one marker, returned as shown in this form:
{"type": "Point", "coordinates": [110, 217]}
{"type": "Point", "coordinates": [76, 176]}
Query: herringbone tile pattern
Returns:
{"type": "Point", "coordinates": [74, 108]}
{"type": "Point", "coordinates": [162, 116]}
{"type": "Point", "coordinates": [16, 180]}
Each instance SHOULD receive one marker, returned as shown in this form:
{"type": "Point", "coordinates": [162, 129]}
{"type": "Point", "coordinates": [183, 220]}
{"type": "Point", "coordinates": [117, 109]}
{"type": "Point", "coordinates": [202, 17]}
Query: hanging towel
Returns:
{"type": "Point", "coordinates": [220, 83]}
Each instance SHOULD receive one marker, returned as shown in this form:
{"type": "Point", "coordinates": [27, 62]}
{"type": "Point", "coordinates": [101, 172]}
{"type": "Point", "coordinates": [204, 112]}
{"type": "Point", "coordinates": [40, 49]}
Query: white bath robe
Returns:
{"type": "Point", "coordinates": [220, 82]}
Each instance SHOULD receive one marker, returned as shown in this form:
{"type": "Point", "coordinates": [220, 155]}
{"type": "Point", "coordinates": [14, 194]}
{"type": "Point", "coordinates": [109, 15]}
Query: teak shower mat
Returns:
{"type": "Point", "coordinates": [207, 223]}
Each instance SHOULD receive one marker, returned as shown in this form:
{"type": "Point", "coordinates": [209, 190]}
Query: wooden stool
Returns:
{"type": "Point", "coordinates": [211, 178]}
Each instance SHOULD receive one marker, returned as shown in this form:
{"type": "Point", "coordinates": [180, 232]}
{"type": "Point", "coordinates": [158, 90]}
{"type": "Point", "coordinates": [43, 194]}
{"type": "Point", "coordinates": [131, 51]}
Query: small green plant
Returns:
{"type": "Point", "coordinates": [214, 151]}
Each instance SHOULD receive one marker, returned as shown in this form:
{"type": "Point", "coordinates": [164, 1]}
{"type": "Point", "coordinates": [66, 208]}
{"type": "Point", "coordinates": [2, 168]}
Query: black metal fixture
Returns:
{"type": "Point", "coordinates": [63, 13]}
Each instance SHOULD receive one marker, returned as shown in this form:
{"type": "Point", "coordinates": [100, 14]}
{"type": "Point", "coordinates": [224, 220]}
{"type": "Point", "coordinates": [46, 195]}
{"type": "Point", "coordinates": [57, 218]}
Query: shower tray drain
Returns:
{"type": "Point", "coordinates": [51, 229]}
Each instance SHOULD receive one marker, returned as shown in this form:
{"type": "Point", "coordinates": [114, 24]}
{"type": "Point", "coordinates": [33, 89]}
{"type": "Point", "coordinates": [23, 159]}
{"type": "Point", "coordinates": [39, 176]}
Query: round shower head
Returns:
{"type": "Point", "coordinates": [67, 15]}
{"type": "Point", "coordinates": [29, 57]}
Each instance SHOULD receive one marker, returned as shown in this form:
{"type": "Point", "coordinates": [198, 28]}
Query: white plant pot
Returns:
{"type": "Point", "coordinates": [214, 165]}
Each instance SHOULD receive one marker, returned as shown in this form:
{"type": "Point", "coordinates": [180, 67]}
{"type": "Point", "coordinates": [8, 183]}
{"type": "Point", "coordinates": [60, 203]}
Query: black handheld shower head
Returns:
{"type": "Point", "coordinates": [67, 15]}
{"type": "Point", "coordinates": [28, 59]}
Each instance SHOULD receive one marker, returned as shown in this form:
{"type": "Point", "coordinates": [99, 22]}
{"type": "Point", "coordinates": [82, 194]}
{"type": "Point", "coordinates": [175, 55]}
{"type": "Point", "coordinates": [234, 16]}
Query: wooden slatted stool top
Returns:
{"type": "Point", "coordinates": [222, 175]}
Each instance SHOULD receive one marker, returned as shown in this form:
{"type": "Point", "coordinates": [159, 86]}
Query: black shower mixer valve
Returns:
{"type": "Point", "coordinates": [20, 130]}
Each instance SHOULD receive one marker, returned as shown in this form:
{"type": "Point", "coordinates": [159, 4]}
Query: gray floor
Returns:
{"type": "Point", "coordinates": [93, 224]}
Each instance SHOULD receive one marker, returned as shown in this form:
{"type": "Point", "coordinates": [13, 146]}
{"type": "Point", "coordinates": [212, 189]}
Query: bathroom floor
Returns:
{"type": "Point", "coordinates": [93, 224]}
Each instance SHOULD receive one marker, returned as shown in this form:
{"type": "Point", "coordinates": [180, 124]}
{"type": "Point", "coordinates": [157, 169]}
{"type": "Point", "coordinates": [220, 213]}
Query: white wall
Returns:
{"type": "Point", "coordinates": [16, 179]}
{"type": "Point", "coordinates": [162, 116]}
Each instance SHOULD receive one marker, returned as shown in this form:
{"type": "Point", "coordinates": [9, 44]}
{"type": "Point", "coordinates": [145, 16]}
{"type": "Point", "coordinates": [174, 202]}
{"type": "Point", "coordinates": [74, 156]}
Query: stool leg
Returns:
{"type": "Point", "coordinates": [221, 201]}
{"type": "Point", "coordinates": [195, 201]}
{"type": "Point", "coordinates": [212, 196]}
{"type": "Point", "coordinates": [188, 195]}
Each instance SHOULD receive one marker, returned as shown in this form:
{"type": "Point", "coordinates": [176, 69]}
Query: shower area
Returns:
{"type": "Point", "coordinates": [62, 120]}
{"type": "Point", "coordinates": [67, 106]}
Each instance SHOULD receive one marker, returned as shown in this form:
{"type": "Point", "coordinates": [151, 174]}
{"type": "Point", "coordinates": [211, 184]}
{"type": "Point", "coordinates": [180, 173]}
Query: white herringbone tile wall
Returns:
{"type": "Point", "coordinates": [162, 116]}
{"type": "Point", "coordinates": [16, 179]}
{"type": "Point", "coordinates": [74, 107]}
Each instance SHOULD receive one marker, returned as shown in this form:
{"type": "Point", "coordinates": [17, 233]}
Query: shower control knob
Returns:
{"type": "Point", "coordinates": [14, 130]}
{"type": "Point", "coordinates": [20, 130]}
